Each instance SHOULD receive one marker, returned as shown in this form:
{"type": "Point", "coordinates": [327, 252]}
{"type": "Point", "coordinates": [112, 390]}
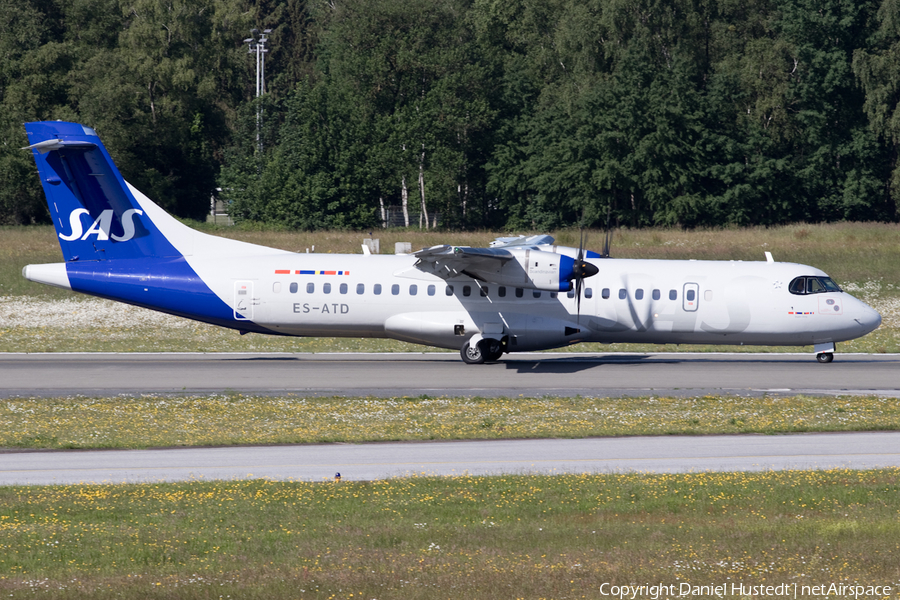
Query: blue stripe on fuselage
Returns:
{"type": "Point", "coordinates": [166, 285]}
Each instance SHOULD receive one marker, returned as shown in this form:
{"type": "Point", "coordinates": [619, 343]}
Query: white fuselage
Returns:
{"type": "Point", "coordinates": [649, 301]}
{"type": "Point", "coordinates": [118, 244]}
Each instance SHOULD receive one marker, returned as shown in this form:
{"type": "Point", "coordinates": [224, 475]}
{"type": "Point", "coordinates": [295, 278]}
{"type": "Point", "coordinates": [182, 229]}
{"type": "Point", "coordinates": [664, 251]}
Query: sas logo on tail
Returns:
{"type": "Point", "coordinates": [101, 226]}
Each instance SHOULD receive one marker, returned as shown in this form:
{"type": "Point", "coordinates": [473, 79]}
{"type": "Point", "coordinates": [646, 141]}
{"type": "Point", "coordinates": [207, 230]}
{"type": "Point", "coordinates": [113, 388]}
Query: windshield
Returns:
{"type": "Point", "coordinates": [812, 284]}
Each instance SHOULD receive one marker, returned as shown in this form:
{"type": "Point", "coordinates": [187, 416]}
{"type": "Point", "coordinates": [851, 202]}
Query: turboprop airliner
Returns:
{"type": "Point", "coordinates": [519, 294]}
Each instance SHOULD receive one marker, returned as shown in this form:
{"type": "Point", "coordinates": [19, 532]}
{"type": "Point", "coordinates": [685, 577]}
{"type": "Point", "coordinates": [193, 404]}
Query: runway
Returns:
{"type": "Point", "coordinates": [394, 374]}
{"type": "Point", "coordinates": [49, 375]}
{"type": "Point", "coordinates": [378, 461]}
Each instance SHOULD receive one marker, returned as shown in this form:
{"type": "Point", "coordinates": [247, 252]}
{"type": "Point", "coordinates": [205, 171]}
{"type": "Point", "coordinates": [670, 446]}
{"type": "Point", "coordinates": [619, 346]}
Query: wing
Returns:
{"type": "Point", "coordinates": [451, 261]}
{"type": "Point", "coordinates": [520, 262]}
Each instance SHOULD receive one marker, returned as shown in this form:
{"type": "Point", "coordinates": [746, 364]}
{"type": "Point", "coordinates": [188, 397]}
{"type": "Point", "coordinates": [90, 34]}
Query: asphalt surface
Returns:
{"type": "Point", "coordinates": [48, 375]}
{"type": "Point", "coordinates": [377, 461]}
{"type": "Point", "coordinates": [445, 374]}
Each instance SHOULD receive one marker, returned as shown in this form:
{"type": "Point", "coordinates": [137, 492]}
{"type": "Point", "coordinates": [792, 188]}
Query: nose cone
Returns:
{"type": "Point", "coordinates": [871, 320]}
{"type": "Point", "coordinates": [865, 316]}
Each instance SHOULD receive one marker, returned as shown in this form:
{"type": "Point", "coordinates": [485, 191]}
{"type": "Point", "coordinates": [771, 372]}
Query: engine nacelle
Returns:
{"type": "Point", "coordinates": [529, 268]}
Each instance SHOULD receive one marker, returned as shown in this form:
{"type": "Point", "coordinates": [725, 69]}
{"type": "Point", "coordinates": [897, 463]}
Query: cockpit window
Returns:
{"type": "Point", "coordinates": [812, 285]}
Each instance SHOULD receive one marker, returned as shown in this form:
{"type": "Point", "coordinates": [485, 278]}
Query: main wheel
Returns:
{"type": "Point", "coordinates": [472, 355]}
{"type": "Point", "coordinates": [824, 357]}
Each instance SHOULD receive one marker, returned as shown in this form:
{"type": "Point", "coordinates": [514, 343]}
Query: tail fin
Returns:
{"type": "Point", "coordinates": [95, 212]}
{"type": "Point", "coordinates": [120, 245]}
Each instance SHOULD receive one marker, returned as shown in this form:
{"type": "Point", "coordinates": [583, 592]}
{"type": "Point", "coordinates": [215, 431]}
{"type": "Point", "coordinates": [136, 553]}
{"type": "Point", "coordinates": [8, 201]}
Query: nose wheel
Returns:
{"type": "Point", "coordinates": [825, 357]}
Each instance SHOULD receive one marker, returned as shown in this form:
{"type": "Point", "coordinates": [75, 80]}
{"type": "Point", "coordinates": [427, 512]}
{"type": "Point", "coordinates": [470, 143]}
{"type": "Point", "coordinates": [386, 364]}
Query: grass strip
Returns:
{"type": "Point", "coordinates": [525, 536]}
{"type": "Point", "coordinates": [228, 419]}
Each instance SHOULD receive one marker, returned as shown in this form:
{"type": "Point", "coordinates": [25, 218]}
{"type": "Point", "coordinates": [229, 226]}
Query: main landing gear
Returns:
{"type": "Point", "coordinates": [485, 350]}
{"type": "Point", "coordinates": [825, 357]}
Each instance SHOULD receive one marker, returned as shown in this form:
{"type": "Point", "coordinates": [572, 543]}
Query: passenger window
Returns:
{"type": "Point", "coordinates": [588, 293]}
{"type": "Point", "coordinates": [673, 294]}
{"type": "Point", "coordinates": [467, 290]}
{"type": "Point", "coordinates": [294, 287]}
{"type": "Point", "coordinates": [519, 292]}
{"type": "Point", "coordinates": [360, 288]}
{"type": "Point", "coordinates": [376, 289]}
{"type": "Point", "coordinates": [413, 290]}
{"type": "Point", "coordinates": [656, 294]}
{"type": "Point", "coordinates": [571, 293]}
{"type": "Point", "coordinates": [623, 294]}
{"type": "Point", "coordinates": [449, 290]}
{"type": "Point", "coordinates": [501, 291]}
{"type": "Point", "coordinates": [484, 290]}
{"type": "Point", "coordinates": [395, 289]}
{"type": "Point", "coordinates": [639, 294]}
{"type": "Point", "coordinates": [310, 288]}
{"type": "Point", "coordinates": [431, 289]}
{"type": "Point", "coordinates": [326, 288]}
{"type": "Point", "coordinates": [536, 294]}
{"type": "Point", "coordinates": [605, 294]}
{"type": "Point", "coordinates": [553, 295]}
{"type": "Point", "coordinates": [707, 295]}
{"type": "Point", "coordinates": [691, 295]}
{"type": "Point", "coordinates": [343, 288]}
{"type": "Point", "coordinates": [276, 287]}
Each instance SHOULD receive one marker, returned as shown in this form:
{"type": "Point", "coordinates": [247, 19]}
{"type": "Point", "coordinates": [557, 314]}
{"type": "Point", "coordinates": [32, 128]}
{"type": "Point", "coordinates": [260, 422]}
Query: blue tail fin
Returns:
{"type": "Point", "coordinates": [94, 211]}
{"type": "Point", "coordinates": [118, 244]}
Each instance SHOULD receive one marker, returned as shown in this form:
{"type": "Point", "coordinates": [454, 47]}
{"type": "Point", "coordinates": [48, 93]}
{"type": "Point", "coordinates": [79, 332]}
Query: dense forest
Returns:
{"type": "Point", "coordinates": [528, 114]}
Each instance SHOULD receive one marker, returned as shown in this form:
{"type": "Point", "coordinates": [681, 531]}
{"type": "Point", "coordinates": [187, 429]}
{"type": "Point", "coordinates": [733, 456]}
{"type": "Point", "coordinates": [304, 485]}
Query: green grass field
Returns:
{"type": "Point", "coordinates": [524, 536]}
{"type": "Point", "coordinates": [237, 419]}
{"type": "Point", "coordinates": [864, 258]}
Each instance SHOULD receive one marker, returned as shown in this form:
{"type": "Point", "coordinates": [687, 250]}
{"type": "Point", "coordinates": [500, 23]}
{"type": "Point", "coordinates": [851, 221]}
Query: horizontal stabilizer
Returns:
{"type": "Point", "coordinates": [49, 145]}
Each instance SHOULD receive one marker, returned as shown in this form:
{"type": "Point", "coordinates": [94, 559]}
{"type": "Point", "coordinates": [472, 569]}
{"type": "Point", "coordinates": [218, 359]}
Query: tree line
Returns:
{"type": "Point", "coordinates": [470, 113]}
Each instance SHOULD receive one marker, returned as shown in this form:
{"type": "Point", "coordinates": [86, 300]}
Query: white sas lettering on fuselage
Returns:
{"type": "Point", "coordinates": [101, 226]}
{"type": "Point", "coordinates": [342, 309]}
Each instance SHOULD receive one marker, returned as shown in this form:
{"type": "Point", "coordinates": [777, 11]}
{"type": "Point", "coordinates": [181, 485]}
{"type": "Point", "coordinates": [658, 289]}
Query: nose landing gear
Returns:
{"type": "Point", "coordinates": [824, 352]}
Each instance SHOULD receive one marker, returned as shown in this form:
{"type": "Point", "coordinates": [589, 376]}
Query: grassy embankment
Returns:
{"type": "Point", "coordinates": [864, 258]}
{"type": "Point", "coordinates": [219, 420]}
{"type": "Point", "coordinates": [424, 538]}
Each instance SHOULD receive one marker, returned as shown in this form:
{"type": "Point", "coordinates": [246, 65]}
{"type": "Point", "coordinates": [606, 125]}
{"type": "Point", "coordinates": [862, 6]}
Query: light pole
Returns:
{"type": "Point", "coordinates": [257, 44]}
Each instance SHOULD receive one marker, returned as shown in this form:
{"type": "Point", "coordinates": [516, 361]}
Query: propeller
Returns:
{"type": "Point", "coordinates": [581, 270]}
{"type": "Point", "coordinates": [608, 239]}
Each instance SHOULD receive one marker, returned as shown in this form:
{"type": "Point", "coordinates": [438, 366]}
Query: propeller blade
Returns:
{"type": "Point", "coordinates": [580, 270]}
{"type": "Point", "coordinates": [606, 241]}
{"type": "Point", "coordinates": [578, 297]}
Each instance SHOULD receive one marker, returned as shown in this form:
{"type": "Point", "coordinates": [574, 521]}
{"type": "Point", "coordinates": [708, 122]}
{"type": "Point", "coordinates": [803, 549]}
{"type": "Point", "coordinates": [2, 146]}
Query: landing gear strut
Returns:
{"type": "Point", "coordinates": [825, 357]}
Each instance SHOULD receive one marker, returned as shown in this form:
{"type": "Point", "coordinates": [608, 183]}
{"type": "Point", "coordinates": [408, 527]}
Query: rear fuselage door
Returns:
{"type": "Point", "coordinates": [691, 297]}
{"type": "Point", "coordinates": [243, 300]}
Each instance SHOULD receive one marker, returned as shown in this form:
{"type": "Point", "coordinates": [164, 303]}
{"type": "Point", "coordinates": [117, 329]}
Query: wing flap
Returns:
{"type": "Point", "coordinates": [449, 261]}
